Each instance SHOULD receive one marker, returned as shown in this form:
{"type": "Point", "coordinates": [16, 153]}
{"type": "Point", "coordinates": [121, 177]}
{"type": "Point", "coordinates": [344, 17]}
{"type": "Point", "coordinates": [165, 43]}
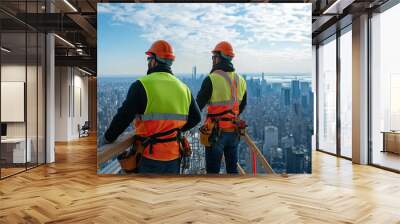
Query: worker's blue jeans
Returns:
{"type": "Point", "coordinates": [227, 144]}
{"type": "Point", "coordinates": [149, 166]}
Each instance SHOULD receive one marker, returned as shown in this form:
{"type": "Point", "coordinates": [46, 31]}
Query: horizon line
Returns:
{"type": "Point", "coordinates": [189, 74]}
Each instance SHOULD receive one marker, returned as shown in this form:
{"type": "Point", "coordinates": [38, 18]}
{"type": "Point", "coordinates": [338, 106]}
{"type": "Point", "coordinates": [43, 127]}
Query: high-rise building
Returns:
{"type": "Point", "coordinates": [270, 139]}
{"type": "Point", "coordinates": [287, 141]}
{"type": "Point", "coordinates": [304, 101]}
{"type": "Point", "coordinates": [276, 86]}
{"type": "Point", "coordinates": [305, 86]}
{"type": "Point", "coordinates": [194, 73]}
{"type": "Point", "coordinates": [295, 87]}
{"type": "Point", "coordinates": [294, 160]}
{"type": "Point", "coordinates": [285, 96]}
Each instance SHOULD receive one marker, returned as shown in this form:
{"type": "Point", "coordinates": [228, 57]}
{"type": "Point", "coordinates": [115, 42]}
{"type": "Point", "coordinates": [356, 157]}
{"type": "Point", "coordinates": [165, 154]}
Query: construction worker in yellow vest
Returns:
{"type": "Point", "coordinates": [159, 106]}
{"type": "Point", "coordinates": [224, 93]}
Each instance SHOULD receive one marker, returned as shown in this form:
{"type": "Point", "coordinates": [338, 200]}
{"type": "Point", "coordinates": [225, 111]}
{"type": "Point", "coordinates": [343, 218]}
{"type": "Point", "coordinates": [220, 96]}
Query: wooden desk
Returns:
{"type": "Point", "coordinates": [13, 150]}
{"type": "Point", "coordinates": [391, 141]}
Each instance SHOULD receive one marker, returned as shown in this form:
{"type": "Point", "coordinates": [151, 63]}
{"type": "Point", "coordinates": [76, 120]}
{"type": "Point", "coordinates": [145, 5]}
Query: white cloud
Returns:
{"type": "Point", "coordinates": [254, 29]}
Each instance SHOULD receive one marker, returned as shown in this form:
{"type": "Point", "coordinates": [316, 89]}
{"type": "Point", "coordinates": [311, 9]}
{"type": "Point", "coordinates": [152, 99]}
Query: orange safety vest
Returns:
{"type": "Point", "coordinates": [167, 109]}
{"type": "Point", "coordinates": [228, 92]}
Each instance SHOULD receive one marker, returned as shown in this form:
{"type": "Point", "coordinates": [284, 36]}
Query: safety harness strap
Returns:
{"type": "Point", "coordinates": [220, 114]}
{"type": "Point", "coordinates": [155, 138]}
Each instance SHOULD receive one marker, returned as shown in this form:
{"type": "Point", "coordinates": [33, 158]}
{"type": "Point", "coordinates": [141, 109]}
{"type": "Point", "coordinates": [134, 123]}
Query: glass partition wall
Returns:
{"type": "Point", "coordinates": [334, 110]}
{"type": "Point", "coordinates": [334, 107]}
{"type": "Point", "coordinates": [22, 98]}
{"type": "Point", "coordinates": [385, 89]}
{"type": "Point", "coordinates": [327, 96]}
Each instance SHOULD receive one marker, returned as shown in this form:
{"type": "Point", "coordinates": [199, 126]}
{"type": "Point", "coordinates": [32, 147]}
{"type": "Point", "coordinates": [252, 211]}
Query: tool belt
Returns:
{"type": "Point", "coordinates": [210, 132]}
{"type": "Point", "coordinates": [184, 146]}
{"type": "Point", "coordinates": [130, 160]}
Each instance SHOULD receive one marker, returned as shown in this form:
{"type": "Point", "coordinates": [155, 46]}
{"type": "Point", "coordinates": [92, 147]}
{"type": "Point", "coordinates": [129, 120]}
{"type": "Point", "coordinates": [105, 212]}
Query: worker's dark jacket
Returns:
{"type": "Point", "coordinates": [206, 89]}
{"type": "Point", "coordinates": [135, 103]}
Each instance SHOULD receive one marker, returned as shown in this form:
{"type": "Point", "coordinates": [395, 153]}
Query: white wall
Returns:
{"type": "Point", "coordinates": [62, 81]}
{"type": "Point", "coordinates": [81, 89]}
{"type": "Point", "coordinates": [71, 87]}
{"type": "Point", "coordinates": [33, 126]}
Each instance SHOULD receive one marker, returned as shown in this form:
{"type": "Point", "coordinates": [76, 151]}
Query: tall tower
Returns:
{"type": "Point", "coordinates": [194, 71]}
{"type": "Point", "coordinates": [270, 140]}
{"type": "Point", "coordinates": [295, 91]}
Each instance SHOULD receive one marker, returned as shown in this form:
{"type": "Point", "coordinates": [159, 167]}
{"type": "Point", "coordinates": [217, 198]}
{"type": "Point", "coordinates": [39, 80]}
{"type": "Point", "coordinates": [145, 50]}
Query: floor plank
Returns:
{"type": "Point", "coordinates": [70, 191]}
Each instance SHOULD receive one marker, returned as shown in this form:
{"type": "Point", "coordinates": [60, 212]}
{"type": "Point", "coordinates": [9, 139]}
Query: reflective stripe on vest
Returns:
{"type": "Point", "coordinates": [168, 102]}
{"type": "Point", "coordinates": [154, 116]}
{"type": "Point", "coordinates": [223, 103]}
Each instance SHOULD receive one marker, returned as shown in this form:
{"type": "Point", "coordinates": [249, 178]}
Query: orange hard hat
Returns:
{"type": "Point", "coordinates": [161, 49]}
{"type": "Point", "coordinates": [225, 47]}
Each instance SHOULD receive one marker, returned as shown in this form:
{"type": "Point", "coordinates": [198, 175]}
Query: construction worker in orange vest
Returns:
{"type": "Point", "coordinates": [224, 93]}
{"type": "Point", "coordinates": [159, 106]}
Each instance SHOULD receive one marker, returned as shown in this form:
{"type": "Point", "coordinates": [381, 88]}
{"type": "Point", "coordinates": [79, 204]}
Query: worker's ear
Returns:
{"type": "Point", "coordinates": [154, 63]}
{"type": "Point", "coordinates": [216, 60]}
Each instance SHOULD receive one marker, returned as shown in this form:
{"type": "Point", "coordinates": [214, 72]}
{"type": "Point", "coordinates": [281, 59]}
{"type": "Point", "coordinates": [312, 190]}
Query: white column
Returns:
{"type": "Point", "coordinates": [360, 90]}
{"type": "Point", "coordinates": [50, 94]}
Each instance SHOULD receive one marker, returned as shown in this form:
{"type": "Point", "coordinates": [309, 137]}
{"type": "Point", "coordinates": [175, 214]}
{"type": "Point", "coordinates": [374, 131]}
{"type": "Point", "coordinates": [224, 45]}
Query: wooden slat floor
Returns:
{"type": "Point", "coordinates": [69, 191]}
{"type": "Point", "coordinates": [10, 171]}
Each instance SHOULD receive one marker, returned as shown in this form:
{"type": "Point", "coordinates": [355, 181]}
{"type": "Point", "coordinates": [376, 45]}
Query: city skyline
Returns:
{"type": "Point", "coordinates": [279, 117]}
{"type": "Point", "coordinates": [127, 30]}
{"type": "Point", "coordinates": [248, 74]}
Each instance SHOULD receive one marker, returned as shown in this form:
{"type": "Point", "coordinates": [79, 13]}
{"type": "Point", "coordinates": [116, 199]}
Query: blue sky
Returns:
{"type": "Point", "coordinates": [266, 37]}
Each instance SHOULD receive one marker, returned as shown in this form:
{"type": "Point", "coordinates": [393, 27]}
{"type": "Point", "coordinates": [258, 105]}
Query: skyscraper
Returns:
{"type": "Point", "coordinates": [295, 91]}
{"type": "Point", "coordinates": [270, 140]}
{"type": "Point", "coordinates": [287, 141]}
{"type": "Point", "coordinates": [285, 96]}
{"type": "Point", "coordinates": [194, 73]}
{"type": "Point", "coordinates": [305, 87]}
{"type": "Point", "coordinates": [295, 160]}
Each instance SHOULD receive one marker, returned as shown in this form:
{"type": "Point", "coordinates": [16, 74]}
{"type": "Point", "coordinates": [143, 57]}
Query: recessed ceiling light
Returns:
{"type": "Point", "coordinates": [64, 40]}
{"type": "Point", "coordinates": [338, 6]}
{"type": "Point", "coordinates": [84, 71]}
{"type": "Point", "coordinates": [70, 5]}
{"type": "Point", "coordinates": [5, 50]}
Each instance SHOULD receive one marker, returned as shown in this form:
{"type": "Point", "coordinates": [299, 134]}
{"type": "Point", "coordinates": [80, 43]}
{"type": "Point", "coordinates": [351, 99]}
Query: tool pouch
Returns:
{"type": "Point", "coordinates": [184, 145]}
{"type": "Point", "coordinates": [130, 160]}
{"type": "Point", "coordinates": [240, 126]}
{"type": "Point", "coordinates": [205, 134]}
